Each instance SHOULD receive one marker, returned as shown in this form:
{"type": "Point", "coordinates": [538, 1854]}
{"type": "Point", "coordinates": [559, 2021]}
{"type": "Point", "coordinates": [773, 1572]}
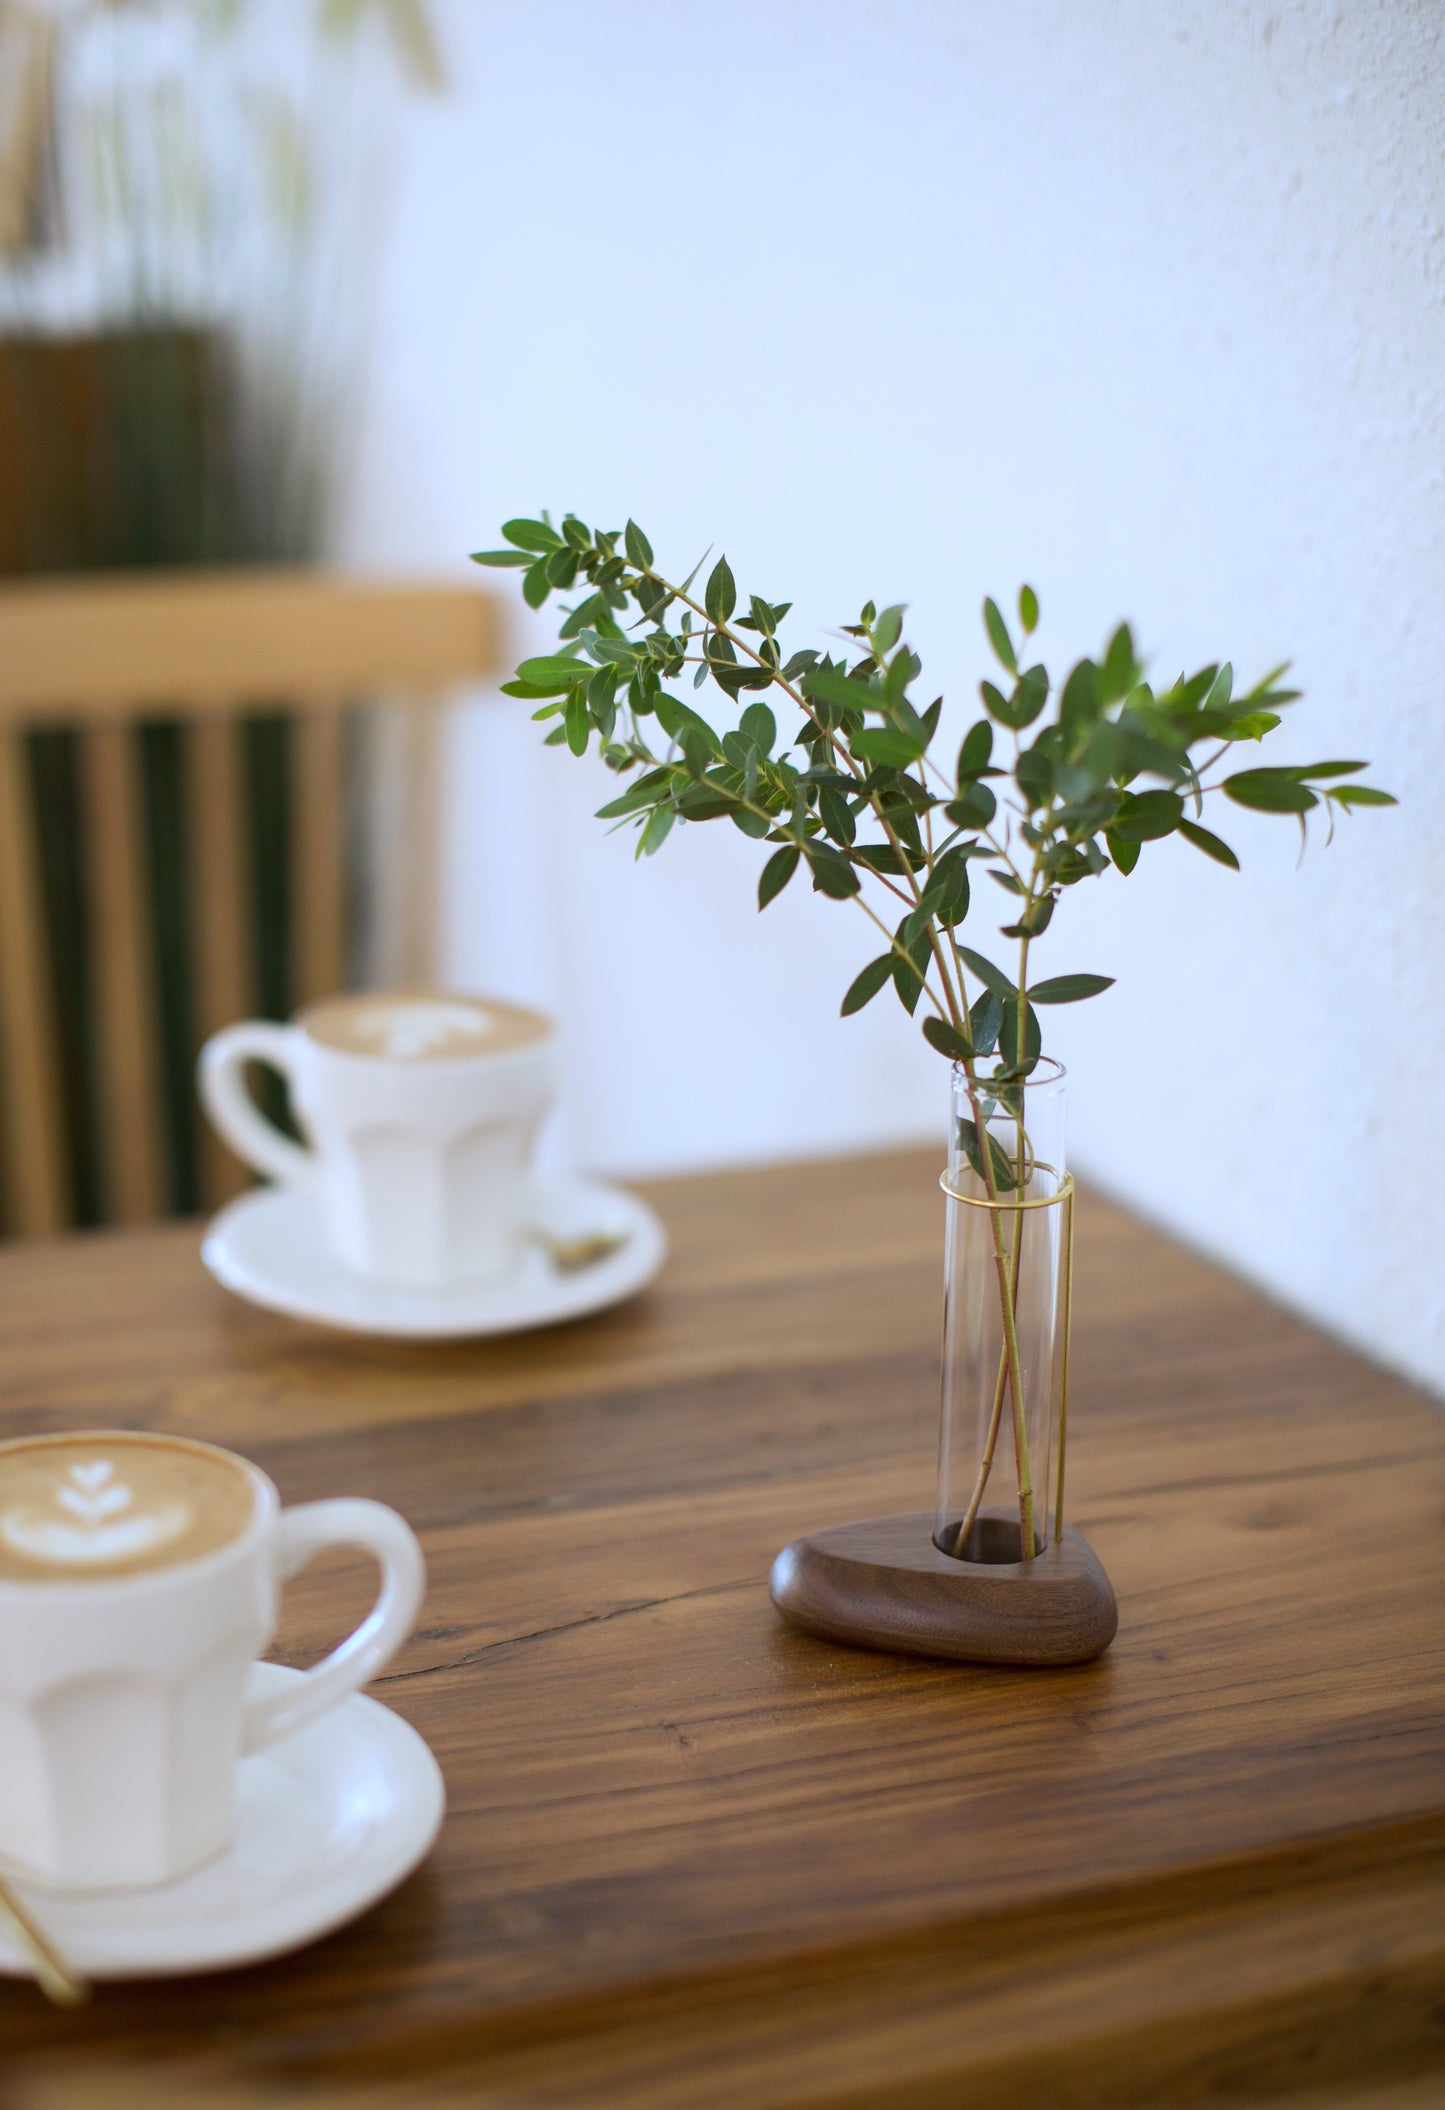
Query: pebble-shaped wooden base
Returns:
{"type": "Point", "coordinates": [884, 1584]}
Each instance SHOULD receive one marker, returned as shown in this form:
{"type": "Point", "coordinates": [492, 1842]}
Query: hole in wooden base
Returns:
{"type": "Point", "coordinates": [991, 1541]}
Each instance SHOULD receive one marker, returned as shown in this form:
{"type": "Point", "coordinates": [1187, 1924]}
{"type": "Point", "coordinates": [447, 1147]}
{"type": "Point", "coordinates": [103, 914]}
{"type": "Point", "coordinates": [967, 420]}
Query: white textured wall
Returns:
{"type": "Point", "coordinates": [1141, 299]}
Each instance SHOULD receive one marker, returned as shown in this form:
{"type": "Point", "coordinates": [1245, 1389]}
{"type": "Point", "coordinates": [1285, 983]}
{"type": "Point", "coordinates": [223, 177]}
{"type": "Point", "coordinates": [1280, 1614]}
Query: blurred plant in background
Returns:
{"type": "Point", "coordinates": [188, 193]}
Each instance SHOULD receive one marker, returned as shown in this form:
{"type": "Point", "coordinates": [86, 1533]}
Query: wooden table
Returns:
{"type": "Point", "coordinates": [696, 1861]}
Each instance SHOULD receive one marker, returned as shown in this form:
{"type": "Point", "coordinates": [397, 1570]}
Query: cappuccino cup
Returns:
{"type": "Point", "coordinates": [420, 1110]}
{"type": "Point", "coordinates": [139, 1580]}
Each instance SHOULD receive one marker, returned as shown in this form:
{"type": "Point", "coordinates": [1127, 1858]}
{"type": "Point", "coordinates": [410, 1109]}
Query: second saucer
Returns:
{"type": "Point", "coordinates": [269, 1246]}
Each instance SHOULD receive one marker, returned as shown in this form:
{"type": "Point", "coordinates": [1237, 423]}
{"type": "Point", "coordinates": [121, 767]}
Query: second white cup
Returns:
{"type": "Point", "coordinates": [421, 1110]}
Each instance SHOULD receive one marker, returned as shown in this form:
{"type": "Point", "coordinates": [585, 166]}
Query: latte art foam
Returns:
{"type": "Point", "coordinates": [99, 1507]}
{"type": "Point", "coordinates": [422, 1026]}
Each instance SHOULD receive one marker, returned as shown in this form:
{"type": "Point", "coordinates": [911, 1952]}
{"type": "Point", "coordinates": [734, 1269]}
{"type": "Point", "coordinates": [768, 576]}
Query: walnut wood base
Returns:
{"type": "Point", "coordinates": [884, 1584]}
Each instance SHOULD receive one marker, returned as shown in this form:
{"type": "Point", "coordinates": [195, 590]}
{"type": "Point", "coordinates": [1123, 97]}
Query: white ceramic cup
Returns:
{"type": "Point", "coordinates": [420, 1165]}
{"type": "Point", "coordinates": [123, 1707]}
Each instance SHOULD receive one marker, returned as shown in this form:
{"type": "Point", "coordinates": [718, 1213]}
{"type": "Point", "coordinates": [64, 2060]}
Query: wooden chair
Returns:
{"type": "Point", "coordinates": [108, 653]}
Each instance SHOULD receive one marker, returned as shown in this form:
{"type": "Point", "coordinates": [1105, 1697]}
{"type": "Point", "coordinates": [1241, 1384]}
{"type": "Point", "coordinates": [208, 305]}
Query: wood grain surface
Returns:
{"type": "Point", "coordinates": [695, 1858]}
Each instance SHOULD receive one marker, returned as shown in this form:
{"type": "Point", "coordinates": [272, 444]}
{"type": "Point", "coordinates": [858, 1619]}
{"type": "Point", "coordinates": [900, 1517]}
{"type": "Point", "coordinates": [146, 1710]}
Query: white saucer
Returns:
{"type": "Point", "coordinates": [330, 1820]}
{"type": "Point", "coordinates": [269, 1246]}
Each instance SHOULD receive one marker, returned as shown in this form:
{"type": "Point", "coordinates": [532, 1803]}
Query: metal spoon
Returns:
{"type": "Point", "coordinates": [59, 1981]}
{"type": "Point", "coordinates": [570, 1255]}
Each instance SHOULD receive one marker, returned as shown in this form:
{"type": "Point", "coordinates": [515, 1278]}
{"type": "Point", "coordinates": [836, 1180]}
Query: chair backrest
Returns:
{"type": "Point", "coordinates": [106, 656]}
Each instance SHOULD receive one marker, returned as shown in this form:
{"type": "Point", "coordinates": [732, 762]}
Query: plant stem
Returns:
{"type": "Point", "coordinates": [955, 1007]}
{"type": "Point", "coordinates": [1027, 1539]}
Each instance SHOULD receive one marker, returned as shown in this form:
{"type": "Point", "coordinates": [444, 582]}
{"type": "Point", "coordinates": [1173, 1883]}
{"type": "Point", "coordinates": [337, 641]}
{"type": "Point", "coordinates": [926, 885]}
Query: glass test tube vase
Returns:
{"type": "Point", "coordinates": [994, 1573]}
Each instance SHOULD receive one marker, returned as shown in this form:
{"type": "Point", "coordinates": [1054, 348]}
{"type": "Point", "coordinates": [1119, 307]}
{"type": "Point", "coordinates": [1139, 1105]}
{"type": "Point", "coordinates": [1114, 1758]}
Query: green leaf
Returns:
{"type": "Point", "coordinates": [827, 685]}
{"type": "Point", "coordinates": [1030, 696]}
{"type": "Point", "coordinates": [998, 636]}
{"type": "Point", "coordinates": [974, 754]}
{"type": "Point", "coordinates": [1117, 675]}
{"type": "Point", "coordinates": [776, 873]}
{"type": "Point", "coordinates": [721, 595]}
{"type": "Point", "coordinates": [1034, 921]}
{"type": "Point", "coordinates": [1034, 776]}
{"type": "Point", "coordinates": [655, 834]}
{"type": "Point", "coordinates": [947, 1039]}
{"type": "Point", "coordinates": [882, 857]}
{"type": "Point", "coordinates": [984, 1020]}
{"type": "Point", "coordinates": [760, 726]}
{"type": "Point", "coordinates": [887, 629]}
{"type": "Point", "coordinates": [907, 982]}
{"type": "Point", "coordinates": [500, 558]}
{"type": "Point", "coordinates": [1145, 816]}
{"type": "Point", "coordinates": [948, 892]}
{"type": "Point", "coordinates": [866, 986]}
{"type": "Point", "coordinates": [974, 807]}
{"type": "Point", "coordinates": [1125, 854]}
{"type": "Point", "coordinates": [634, 800]}
{"type": "Point", "coordinates": [885, 744]}
{"type": "Point", "coordinates": [1209, 844]}
{"type": "Point", "coordinates": [1031, 693]}
{"type": "Point", "coordinates": [532, 535]}
{"type": "Point", "coordinates": [681, 722]}
{"type": "Point", "coordinates": [1326, 769]}
{"type": "Point", "coordinates": [754, 825]}
{"type": "Point", "coordinates": [1028, 610]}
{"type": "Point", "coordinates": [1070, 988]}
{"type": "Point", "coordinates": [1252, 725]}
{"type": "Point", "coordinates": [992, 977]}
{"type": "Point", "coordinates": [637, 546]}
{"type": "Point", "coordinates": [1221, 689]}
{"type": "Point", "coordinates": [578, 722]}
{"type": "Point", "coordinates": [739, 750]}
{"type": "Point", "coordinates": [832, 873]}
{"type": "Point", "coordinates": [602, 687]}
{"type": "Point", "coordinates": [536, 585]}
{"type": "Point", "coordinates": [836, 817]}
{"type": "Point", "coordinates": [1008, 1033]}
{"type": "Point", "coordinates": [1000, 1163]}
{"type": "Point", "coordinates": [551, 674]}
{"type": "Point", "coordinates": [1270, 791]}
{"type": "Point", "coordinates": [1079, 705]}
{"type": "Point", "coordinates": [1360, 795]}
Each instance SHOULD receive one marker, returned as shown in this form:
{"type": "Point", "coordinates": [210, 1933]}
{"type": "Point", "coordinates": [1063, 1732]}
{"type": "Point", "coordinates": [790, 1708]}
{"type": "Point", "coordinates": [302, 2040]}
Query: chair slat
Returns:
{"type": "Point", "coordinates": [124, 977]}
{"type": "Point", "coordinates": [34, 1170]}
{"type": "Point", "coordinates": [187, 644]}
{"type": "Point", "coordinates": [317, 854]}
{"type": "Point", "coordinates": [221, 918]}
{"type": "Point", "coordinates": [418, 878]}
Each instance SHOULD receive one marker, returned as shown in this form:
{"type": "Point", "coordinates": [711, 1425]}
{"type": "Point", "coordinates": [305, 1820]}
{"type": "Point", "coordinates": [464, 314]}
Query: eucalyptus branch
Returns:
{"type": "Point", "coordinates": [1103, 776]}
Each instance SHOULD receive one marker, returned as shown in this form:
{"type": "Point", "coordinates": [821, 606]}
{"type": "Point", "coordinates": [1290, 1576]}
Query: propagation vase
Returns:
{"type": "Point", "coordinates": [995, 1575]}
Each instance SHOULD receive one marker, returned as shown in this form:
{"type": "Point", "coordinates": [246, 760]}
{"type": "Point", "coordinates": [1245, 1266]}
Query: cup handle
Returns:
{"type": "Point", "coordinates": [233, 1112]}
{"type": "Point", "coordinates": [302, 1532]}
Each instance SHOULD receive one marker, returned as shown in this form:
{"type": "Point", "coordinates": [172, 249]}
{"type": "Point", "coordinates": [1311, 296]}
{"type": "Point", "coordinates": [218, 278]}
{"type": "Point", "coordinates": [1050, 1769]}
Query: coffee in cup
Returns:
{"type": "Point", "coordinates": [421, 1109]}
{"type": "Point", "coordinates": [71, 1511]}
{"type": "Point", "coordinates": [138, 1584]}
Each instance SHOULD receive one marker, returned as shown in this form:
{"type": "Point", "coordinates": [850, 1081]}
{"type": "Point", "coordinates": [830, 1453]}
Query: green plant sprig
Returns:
{"type": "Point", "coordinates": [862, 757]}
{"type": "Point", "coordinates": [1068, 803]}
